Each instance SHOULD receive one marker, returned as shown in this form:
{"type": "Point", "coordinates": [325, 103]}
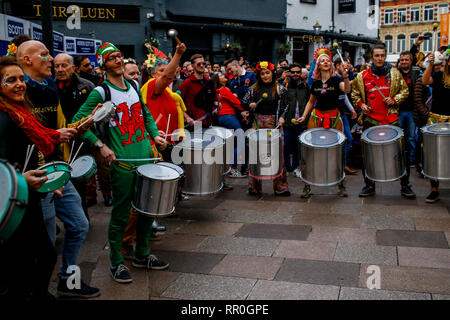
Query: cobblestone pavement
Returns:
{"type": "Point", "coordinates": [234, 246]}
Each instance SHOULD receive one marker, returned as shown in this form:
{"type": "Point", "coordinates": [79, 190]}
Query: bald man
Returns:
{"type": "Point", "coordinates": [36, 62]}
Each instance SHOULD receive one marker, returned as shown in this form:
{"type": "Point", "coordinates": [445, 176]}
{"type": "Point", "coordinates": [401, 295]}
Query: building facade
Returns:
{"type": "Point", "coordinates": [217, 29]}
{"type": "Point", "coordinates": [353, 24]}
{"type": "Point", "coordinates": [402, 22]}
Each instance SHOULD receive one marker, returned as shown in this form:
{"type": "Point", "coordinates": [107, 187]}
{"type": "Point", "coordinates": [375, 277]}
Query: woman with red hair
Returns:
{"type": "Point", "coordinates": [322, 105]}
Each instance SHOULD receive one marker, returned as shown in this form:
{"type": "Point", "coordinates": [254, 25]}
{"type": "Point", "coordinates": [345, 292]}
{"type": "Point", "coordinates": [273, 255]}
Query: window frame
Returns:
{"type": "Point", "coordinates": [401, 43]}
{"type": "Point", "coordinates": [428, 8]}
{"type": "Point", "coordinates": [391, 13]}
{"type": "Point", "coordinates": [414, 10]}
{"type": "Point", "coordinates": [389, 42]}
{"type": "Point", "coordinates": [403, 16]}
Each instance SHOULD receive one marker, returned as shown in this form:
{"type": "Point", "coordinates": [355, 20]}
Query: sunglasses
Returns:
{"type": "Point", "coordinates": [297, 72]}
{"type": "Point", "coordinates": [198, 64]}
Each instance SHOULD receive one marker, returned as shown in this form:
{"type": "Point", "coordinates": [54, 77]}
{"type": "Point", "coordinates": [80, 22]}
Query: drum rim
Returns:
{"type": "Point", "coordinates": [13, 195]}
{"type": "Point", "coordinates": [320, 184]}
{"type": "Point", "coordinates": [190, 147]}
{"type": "Point", "coordinates": [67, 174]}
{"type": "Point", "coordinates": [389, 180]}
{"type": "Point", "coordinates": [169, 165]}
{"type": "Point", "coordinates": [426, 130]}
{"type": "Point", "coordinates": [218, 127]}
{"type": "Point", "coordinates": [110, 112]}
{"type": "Point", "coordinates": [398, 129]}
{"type": "Point", "coordinates": [340, 134]}
{"type": "Point", "coordinates": [151, 178]}
{"type": "Point", "coordinates": [152, 215]}
{"type": "Point", "coordinates": [204, 193]}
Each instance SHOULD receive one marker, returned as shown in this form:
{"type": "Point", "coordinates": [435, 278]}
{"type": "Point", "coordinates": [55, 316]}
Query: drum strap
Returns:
{"type": "Point", "coordinates": [125, 166]}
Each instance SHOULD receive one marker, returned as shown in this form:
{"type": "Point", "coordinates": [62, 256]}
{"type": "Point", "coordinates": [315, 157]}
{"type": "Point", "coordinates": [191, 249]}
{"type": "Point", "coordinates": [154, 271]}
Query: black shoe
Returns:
{"type": "Point", "coordinates": [91, 202]}
{"type": "Point", "coordinates": [433, 197]}
{"type": "Point", "coordinates": [158, 228]}
{"type": "Point", "coordinates": [150, 262]}
{"type": "Point", "coordinates": [120, 273]}
{"type": "Point", "coordinates": [252, 193]}
{"type": "Point", "coordinates": [108, 201]}
{"type": "Point", "coordinates": [283, 194]}
{"type": "Point", "coordinates": [367, 191]}
{"type": "Point", "coordinates": [183, 197]}
{"type": "Point", "coordinates": [407, 192]}
{"type": "Point", "coordinates": [227, 186]}
{"type": "Point", "coordinates": [84, 292]}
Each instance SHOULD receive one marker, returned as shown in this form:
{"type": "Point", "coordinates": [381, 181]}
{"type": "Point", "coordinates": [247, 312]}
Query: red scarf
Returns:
{"type": "Point", "coordinates": [325, 117]}
{"type": "Point", "coordinates": [44, 138]}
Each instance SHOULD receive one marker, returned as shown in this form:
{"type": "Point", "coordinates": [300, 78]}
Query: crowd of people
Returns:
{"type": "Point", "coordinates": [155, 102]}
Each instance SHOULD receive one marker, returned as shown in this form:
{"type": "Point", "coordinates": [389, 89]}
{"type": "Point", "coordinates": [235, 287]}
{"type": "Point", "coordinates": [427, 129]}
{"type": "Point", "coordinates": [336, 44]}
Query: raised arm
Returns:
{"type": "Point", "coordinates": [169, 73]}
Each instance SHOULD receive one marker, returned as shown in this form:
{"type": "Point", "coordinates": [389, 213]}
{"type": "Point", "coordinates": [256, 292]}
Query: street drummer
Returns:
{"type": "Point", "coordinates": [269, 102]}
{"type": "Point", "coordinates": [322, 105]}
{"type": "Point", "coordinates": [27, 258]}
{"type": "Point", "coordinates": [440, 112]}
{"type": "Point", "coordinates": [379, 91]}
{"type": "Point", "coordinates": [126, 136]}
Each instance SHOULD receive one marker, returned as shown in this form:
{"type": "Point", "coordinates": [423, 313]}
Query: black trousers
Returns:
{"type": "Point", "coordinates": [28, 258]}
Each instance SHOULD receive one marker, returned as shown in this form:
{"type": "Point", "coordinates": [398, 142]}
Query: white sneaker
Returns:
{"type": "Point", "coordinates": [297, 172]}
{"type": "Point", "coordinates": [235, 174]}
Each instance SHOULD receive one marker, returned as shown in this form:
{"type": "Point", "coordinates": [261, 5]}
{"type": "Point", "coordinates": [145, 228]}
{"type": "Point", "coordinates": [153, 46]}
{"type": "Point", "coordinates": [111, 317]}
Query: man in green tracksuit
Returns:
{"type": "Point", "coordinates": [125, 137]}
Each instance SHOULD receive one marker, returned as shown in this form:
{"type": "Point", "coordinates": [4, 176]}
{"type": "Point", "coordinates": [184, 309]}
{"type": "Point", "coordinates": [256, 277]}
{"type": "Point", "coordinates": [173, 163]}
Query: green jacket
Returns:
{"type": "Point", "coordinates": [128, 129]}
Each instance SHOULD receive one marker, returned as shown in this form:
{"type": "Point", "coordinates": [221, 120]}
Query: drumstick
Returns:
{"type": "Point", "coordinates": [28, 157]}
{"type": "Point", "coordinates": [167, 129]}
{"type": "Point", "coordinates": [159, 118]}
{"type": "Point", "coordinates": [77, 153]}
{"type": "Point", "coordinates": [81, 124]}
{"type": "Point", "coordinates": [375, 85]}
{"type": "Point", "coordinates": [71, 150]}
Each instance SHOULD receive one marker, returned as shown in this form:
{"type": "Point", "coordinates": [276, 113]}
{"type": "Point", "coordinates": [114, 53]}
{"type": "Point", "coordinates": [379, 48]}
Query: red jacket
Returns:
{"type": "Point", "coordinates": [228, 102]}
{"type": "Point", "coordinates": [378, 109]}
{"type": "Point", "coordinates": [189, 89]}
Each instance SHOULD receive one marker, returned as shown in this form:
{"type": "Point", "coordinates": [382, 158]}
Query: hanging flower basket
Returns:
{"type": "Point", "coordinates": [285, 48]}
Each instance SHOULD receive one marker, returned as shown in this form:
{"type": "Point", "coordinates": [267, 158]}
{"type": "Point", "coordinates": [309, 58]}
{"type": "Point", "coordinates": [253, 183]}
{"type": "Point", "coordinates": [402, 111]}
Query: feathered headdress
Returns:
{"type": "Point", "coordinates": [154, 55]}
{"type": "Point", "coordinates": [323, 51]}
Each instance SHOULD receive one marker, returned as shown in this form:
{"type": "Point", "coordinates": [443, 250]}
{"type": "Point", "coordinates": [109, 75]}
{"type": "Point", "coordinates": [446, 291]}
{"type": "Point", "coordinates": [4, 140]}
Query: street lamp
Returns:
{"type": "Point", "coordinates": [317, 27]}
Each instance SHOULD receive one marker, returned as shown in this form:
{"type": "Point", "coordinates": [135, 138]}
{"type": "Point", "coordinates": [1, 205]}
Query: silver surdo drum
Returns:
{"type": "Point", "coordinates": [227, 135]}
{"type": "Point", "coordinates": [265, 154]}
{"type": "Point", "coordinates": [156, 190]}
{"type": "Point", "coordinates": [322, 157]}
{"type": "Point", "coordinates": [202, 159]}
{"type": "Point", "coordinates": [384, 153]}
{"type": "Point", "coordinates": [436, 151]}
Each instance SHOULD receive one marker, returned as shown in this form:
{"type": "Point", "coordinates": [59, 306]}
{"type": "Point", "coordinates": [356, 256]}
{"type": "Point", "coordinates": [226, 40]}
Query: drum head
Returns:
{"type": "Point", "coordinates": [439, 128]}
{"type": "Point", "coordinates": [104, 111]}
{"type": "Point", "coordinates": [202, 141]}
{"type": "Point", "coordinates": [265, 135]}
{"type": "Point", "coordinates": [157, 172]}
{"type": "Point", "coordinates": [320, 137]}
{"type": "Point", "coordinates": [173, 166]}
{"type": "Point", "coordinates": [382, 134]}
{"type": "Point", "coordinates": [224, 133]}
{"type": "Point", "coordinates": [6, 185]}
{"type": "Point", "coordinates": [81, 166]}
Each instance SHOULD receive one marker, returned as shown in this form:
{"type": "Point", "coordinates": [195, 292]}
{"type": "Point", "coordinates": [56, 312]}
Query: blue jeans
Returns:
{"type": "Point", "coordinates": [348, 135]}
{"type": "Point", "coordinates": [69, 210]}
{"type": "Point", "coordinates": [292, 147]}
{"type": "Point", "coordinates": [406, 122]}
{"type": "Point", "coordinates": [231, 121]}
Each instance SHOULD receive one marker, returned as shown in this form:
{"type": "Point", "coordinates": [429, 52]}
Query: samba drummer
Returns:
{"type": "Point", "coordinates": [126, 137]}
{"type": "Point", "coordinates": [322, 105]}
{"type": "Point", "coordinates": [269, 102]}
{"type": "Point", "coordinates": [379, 91]}
{"type": "Point", "coordinates": [28, 257]}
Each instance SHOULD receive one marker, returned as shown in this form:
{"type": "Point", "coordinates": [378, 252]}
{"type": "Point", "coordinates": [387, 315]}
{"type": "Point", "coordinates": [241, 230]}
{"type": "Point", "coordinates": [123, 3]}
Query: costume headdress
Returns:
{"type": "Point", "coordinates": [104, 51]}
{"type": "Point", "coordinates": [154, 55]}
{"type": "Point", "coordinates": [265, 65]}
{"type": "Point", "coordinates": [12, 49]}
{"type": "Point", "coordinates": [323, 51]}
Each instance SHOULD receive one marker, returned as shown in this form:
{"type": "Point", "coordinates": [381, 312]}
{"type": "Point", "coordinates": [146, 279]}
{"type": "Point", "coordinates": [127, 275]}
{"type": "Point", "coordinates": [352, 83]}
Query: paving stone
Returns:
{"type": "Point", "coordinates": [319, 272]}
{"type": "Point", "coordinates": [190, 262]}
{"type": "Point", "coordinates": [176, 242]}
{"type": "Point", "coordinates": [274, 231]}
{"type": "Point", "coordinates": [419, 212]}
{"type": "Point", "coordinates": [359, 209]}
{"type": "Point", "coordinates": [208, 287]}
{"type": "Point", "coordinates": [239, 246]}
{"type": "Point", "coordinates": [344, 235]}
{"type": "Point", "coordinates": [324, 207]}
{"type": "Point", "coordinates": [248, 267]}
{"type": "Point", "coordinates": [280, 290]}
{"type": "Point", "coordinates": [210, 228]}
{"type": "Point", "coordinates": [261, 206]}
{"type": "Point", "coordinates": [367, 294]}
{"type": "Point", "coordinates": [252, 216]}
{"type": "Point", "coordinates": [424, 257]}
{"type": "Point", "coordinates": [366, 253]}
{"type": "Point", "coordinates": [411, 279]}
{"type": "Point", "coordinates": [201, 214]}
{"type": "Point", "coordinates": [159, 281]}
{"type": "Point", "coordinates": [330, 220]}
{"type": "Point", "coordinates": [387, 222]}
{"type": "Point", "coordinates": [406, 238]}
{"type": "Point", "coordinates": [442, 224]}
{"type": "Point", "coordinates": [309, 250]}
{"type": "Point", "coordinates": [440, 297]}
